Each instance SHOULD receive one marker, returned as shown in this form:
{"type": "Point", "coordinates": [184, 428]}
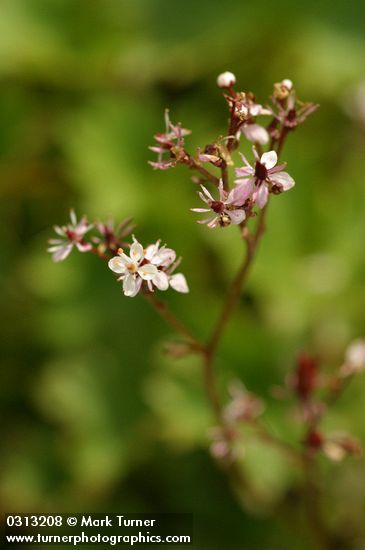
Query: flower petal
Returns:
{"type": "Point", "coordinates": [83, 247]}
{"type": "Point", "coordinates": [256, 133]}
{"type": "Point", "coordinates": [269, 159]}
{"type": "Point", "coordinates": [136, 252]}
{"type": "Point", "coordinates": [242, 191]}
{"type": "Point", "coordinates": [261, 195]}
{"type": "Point", "coordinates": [165, 257]}
{"type": "Point", "coordinates": [237, 216]}
{"type": "Point", "coordinates": [178, 283]}
{"type": "Point", "coordinates": [206, 193]}
{"type": "Point", "coordinates": [62, 252]}
{"type": "Point", "coordinates": [283, 180]}
{"type": "Point", "coordinates": [129, 285]}
{"type": "Point", "coordinates": [147, 272]}
{"type": "Point", "coordinates": [117, 264]}
{"type": "Point", "coordinates": [161, 280]}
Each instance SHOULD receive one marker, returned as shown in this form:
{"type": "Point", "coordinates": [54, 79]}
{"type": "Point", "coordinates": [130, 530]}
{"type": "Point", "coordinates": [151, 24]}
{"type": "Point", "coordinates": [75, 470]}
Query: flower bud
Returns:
{"type": "Point", "coordinates": [354, 358]}
{"type": "Point", "coordinates": [226, 80]}
{"type": "Point", "coordinates": [282, 89]}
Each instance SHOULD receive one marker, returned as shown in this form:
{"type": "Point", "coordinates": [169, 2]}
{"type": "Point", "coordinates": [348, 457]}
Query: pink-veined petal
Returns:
{"type": "Point", "coordinates": [147, 272]}
{"type": "Point", "coordinates": [242, 191]}
{"type": "Point", "coordinates": [62, 252]}
{"type": "Point", "coordinates": [117, 264]}
{"type": "Point", "coordinates": [261, 195]}
{"type": "Point", "coordinates": [178, 283]}
{"type": "Point", "coordinates": [237, 216]}
{"type": "Point", "coordinates": [161, 280]}
{"type": "Point", "coordinates": [83, 247]}
{"type": "Point", "coordinates": [269, 159]}
{"type": "Point", "coordinates": [256, 133]}
{"type": "Point", "coordinates": [283, 180]}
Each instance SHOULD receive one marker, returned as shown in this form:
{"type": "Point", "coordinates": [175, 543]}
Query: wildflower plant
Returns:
{"type": "Point", "coordinates": [237, 204]}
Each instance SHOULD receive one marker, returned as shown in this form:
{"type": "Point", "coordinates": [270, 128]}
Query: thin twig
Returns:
{"type": "Point", "coordinates": [174, 322]}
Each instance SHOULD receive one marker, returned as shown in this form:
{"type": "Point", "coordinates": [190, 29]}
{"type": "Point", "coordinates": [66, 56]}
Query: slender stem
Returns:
{"type": "Point", "coordinates": [194, 165]}
{"type": "Point", "coordinates": [225, 177]}
{"type": "Point", "coordinates": [175, 323]}
{"type": "Point", "coordinates": [237, 283]}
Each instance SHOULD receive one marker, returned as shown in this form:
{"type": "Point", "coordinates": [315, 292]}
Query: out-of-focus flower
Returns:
{"type": "Point", "coordinates": [153, 265]}
{"type": "Point", "coordinates": [172, 143]}
{"type": "Point", "coordinates": [243, 406]}
{"type": "Point", "coordinates": [71, 235]}
{"type": "Point", "coordinates": [354, 358]}
{"type": "Point", "coordinates": [339, 445]}
{"type": "Point", "coordinates": [226, 80]}
{"type": "Point", "coordinates": [227, 210]}
{"type": "Point", "coordinates": [111, 238]}
{"type": "Point", "coordinates": [314, 439]}
{"type": "Point", "coordinates": [304, 381]}
{"type": "Point", "coordinates": [263, 178]}
{"type": "Point", "coordinates": [221, 446]}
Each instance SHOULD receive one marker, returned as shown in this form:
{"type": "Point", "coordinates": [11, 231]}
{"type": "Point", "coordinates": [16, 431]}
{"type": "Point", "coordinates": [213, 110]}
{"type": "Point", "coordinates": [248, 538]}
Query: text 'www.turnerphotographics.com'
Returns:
{"type": "Point", "coordinates": [106, 529]}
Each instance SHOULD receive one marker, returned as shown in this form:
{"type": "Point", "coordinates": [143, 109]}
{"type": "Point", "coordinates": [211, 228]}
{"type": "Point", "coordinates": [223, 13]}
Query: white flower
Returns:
{"type": "Point", "coordinates": [226, 210]}
{"type": "Point", "coordinates": [153, 265]}
{"type": "Point", "coordinates": [71, 235]}
{"type": "Point", "coordinates": [261, 179]}
{"type": "Point", "coordinates": [226, 80]}
{"type": "Point", "coordinates": [165, 258]}
{"type": "Point", "coordinates": [132, 269]}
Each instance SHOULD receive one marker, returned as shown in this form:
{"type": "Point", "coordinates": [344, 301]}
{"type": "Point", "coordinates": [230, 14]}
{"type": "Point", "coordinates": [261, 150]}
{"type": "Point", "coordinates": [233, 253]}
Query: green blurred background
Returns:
{"type": "Point", "coordinates": [95, 416]}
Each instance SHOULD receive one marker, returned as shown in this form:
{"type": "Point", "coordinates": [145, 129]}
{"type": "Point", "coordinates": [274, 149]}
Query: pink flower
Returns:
{"type": "Point", "coordinates": [71, 235]}
{"type": "Point", "coordinates": [153, 265]}
{"type": "Point", "coordinates": [172, 143]}
{"type": "Point", "coordinates": [261, 179]}
{"type": "Point", "coordinates": [245, 110]}
{"type": "Point", "coordinates": [244, 406]}
{"type": "Point", "coordinates": [226, 210]}
{"type": "Point", "coordinates": [290, 112]}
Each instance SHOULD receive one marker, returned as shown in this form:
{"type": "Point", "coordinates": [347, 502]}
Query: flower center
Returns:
{"type": "Point", "coordinates": [217, 207]}
{"type": "Point", "coordinates": [260, 171]}
{"type": "Point", "coordinates": [132, 268]}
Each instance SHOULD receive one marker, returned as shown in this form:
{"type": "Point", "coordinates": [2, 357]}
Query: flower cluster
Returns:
{"type": "Point", "coordinates": [154, 265]}
{"type": "Point", "coordinates": [254, 181]}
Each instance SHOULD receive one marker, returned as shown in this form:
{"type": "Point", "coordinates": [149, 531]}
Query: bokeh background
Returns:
{"type": "Point", "coordinates": [95, 416]}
